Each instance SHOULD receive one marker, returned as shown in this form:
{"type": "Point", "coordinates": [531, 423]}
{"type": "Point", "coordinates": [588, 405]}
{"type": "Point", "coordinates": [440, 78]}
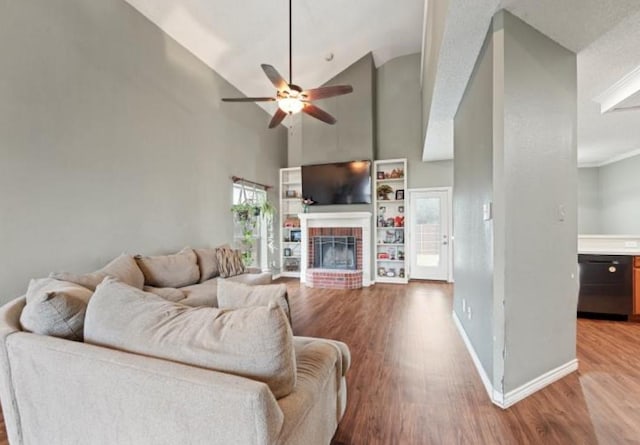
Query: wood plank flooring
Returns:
{"type": "Point", "coordinates": [413, 382]}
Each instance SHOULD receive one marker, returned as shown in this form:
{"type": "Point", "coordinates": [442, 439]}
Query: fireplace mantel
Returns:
{"type": "Point", "coordinates": [337, 219]}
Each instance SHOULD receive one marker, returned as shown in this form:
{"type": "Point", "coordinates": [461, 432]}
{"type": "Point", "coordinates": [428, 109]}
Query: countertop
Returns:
{"type": "Point", "coordinates": [609, 244]}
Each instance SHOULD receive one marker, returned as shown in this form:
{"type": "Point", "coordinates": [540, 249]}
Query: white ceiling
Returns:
{"type": "Point", "coordinates": [604, 33]}
{"type": "Point", "coordinates": [234, 37]}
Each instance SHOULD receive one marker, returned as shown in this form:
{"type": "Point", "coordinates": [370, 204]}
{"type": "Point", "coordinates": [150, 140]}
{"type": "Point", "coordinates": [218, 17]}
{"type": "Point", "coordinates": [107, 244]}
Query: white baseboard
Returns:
{"type": "Point", "coordinates": [500, 399]}
{"type": "Point", "coordinates": [476, 361]}
{"type": "Point", "coordinates": [523, 391]}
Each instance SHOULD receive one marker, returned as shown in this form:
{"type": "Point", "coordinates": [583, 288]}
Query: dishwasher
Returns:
{"type": "Point", "coordinates": [606, 285]}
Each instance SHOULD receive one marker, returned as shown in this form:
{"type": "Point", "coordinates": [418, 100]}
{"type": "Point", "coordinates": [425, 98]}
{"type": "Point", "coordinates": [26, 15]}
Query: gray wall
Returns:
{"type": "Point", "coordinates": [113, 138]}
{"type": "Point", "coordinates": [399, 123]}
{"type": "Point", "coordinates": [540, 176]}
{"type": "Point", "coordinates": [515, 144]}
{"type": "Point", "coordinates": [610, 198]}
{"type": "Point", "coordinates": [473, 173]}
{"type": "Point", "coordinates": [589, 201]}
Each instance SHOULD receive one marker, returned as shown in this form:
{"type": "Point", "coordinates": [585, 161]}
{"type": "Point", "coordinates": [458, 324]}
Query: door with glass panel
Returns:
{"type": "Point", "coordinates": [429, 215]}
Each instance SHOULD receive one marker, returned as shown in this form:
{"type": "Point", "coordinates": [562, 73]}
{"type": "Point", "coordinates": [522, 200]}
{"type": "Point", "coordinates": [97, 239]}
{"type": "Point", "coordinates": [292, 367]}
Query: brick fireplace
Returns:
{"type": "Point", "coordinates": [336, 250]}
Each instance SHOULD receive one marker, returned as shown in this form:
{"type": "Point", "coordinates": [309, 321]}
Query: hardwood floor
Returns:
{"type": "Point", "coordinates": [413, 382]}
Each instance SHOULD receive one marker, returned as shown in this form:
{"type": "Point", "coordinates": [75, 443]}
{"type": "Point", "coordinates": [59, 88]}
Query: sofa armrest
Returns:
{"type": "Point", "coordinates": [127, 398]}
{"type": "Point", "coordinates": [345, 353]}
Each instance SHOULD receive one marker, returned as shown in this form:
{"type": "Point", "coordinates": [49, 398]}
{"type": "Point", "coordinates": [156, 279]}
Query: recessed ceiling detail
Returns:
{"type": "Point", "coordinates": [623, 95]}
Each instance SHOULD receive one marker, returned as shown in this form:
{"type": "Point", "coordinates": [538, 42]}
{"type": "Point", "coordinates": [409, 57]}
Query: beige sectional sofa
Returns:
{"type": "Point", "coordinates": [57, 391]}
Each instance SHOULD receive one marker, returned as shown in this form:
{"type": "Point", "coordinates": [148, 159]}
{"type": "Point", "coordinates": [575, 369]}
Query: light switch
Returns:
{"type": "Point", "coordinates": [487, 212]}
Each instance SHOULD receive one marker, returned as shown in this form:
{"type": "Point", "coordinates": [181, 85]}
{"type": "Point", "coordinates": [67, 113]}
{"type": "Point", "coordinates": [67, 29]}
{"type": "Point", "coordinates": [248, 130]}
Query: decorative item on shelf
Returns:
{"type": "Point", "coordinates": [290, 193]}
{"type": "Point", "coordinates": [292, 222]}
{"type": "Point", "coordinates": [392, 256]}
{"type": "Point", "coordinates": [399, 195]}
{"type": "Point", "coordinates": [401, 274]}
{"type": "Point", "coordinates": [389, 222]}
{"type": "Point", "coordinates": [399, 237]}
{"type": "Point", "coordinates": [382, 271]}
{"type": "Point", "coordinates": [296, 236]}
{"type": "Point", "coordinates": [400, 209]}
{"type": "Point", "coordinates": [383, 191]}
{"type": "Point", "coordinates": [286, 251]}
{"type": "Point", "coordinates": [396, 173]}
{"type": "Point", "coordinates": [382, 210]}
{"type": "Point", "coordinates": [398, 221]}
{"type": "Point", "coordinates": [390, 237]}
{"type": "Point", "coordinates": [380, 175]}
{"type": "Point", "coordinates": [383, 256]}
{"type": "Point", "coordinates": [306, 202]}
{"type": "Point", "coordinates": [391, 273]}
{"type": "Point", "coordinates": [401, 255]}
{"type": "Point", "coordinates": [292, 265]}
{"type": "Point", "coordinates": [380, 222]}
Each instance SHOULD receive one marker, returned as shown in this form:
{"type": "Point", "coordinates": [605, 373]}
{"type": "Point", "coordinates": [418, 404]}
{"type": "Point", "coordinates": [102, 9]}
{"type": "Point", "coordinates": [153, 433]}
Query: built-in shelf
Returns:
{"type": "Point", "coordinates": [290, 207]}
{"type": "Point", "coordinates": [386, 210]}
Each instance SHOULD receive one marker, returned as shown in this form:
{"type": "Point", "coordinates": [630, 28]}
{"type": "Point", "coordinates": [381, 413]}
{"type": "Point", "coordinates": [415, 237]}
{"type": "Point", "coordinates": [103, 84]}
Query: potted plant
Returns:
{"type": "Point", "coordinates": [383, 191]}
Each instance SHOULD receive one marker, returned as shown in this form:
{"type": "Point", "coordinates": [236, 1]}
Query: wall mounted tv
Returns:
{"type": "Point", "coordinates": [337, 183]}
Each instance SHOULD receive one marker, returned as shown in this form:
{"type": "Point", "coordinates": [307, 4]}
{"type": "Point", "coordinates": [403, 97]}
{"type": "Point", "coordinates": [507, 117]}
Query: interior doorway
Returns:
{"type": "Point", "coordinates": [430, 234]}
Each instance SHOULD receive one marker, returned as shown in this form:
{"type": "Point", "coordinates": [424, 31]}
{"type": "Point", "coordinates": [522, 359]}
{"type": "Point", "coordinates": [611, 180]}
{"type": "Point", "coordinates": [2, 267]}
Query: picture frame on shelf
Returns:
{"type": "Point", "coordinates": [400, 195]}
{"type": "Point", "coordinates": [290, 194]}
{"type": "Point", "coordinates": [296, 236]}
{"type": "Point", "coordinates": [286, 251]}
{"type": "Point", "coordinates": [380, 175]}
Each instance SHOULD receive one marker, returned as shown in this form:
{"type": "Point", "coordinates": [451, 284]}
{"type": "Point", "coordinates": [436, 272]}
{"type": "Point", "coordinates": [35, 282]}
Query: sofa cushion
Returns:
{"type": "Point", "coordinates": [123, 268]}
{"type": "Point", "coordinates": [168, 293]}
{"type": "Point", "coordinates": [208, 263]}
{"type": "Point", "coordinates": [203, 294]}
{"type": "Point", "coordinates": [254, 342]}
{"type": "Point", "coordinates": [229, 262]}
{"type": "Point", "coordinates": [232, 295]}
{"type": "Point", "coordinates": [177, 270]}
{"type": "Point", "coordinates": [55, 308]}
{"type": "Point", "coordinates": [252, 278]}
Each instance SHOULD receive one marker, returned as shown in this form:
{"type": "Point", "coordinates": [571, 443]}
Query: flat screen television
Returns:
{"type": "Point", "coordinates": [337, 183]}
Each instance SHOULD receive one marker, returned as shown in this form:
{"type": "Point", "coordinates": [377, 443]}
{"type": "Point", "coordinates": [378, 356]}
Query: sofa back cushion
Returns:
{"type": "Point", "coordinates": [208, 263]}
{"type": "Point", "coordinates": [55, 308]}
{"type": "Point", "coordinates": [233, 295]}
{"type": "Point", "coordinates": [123, 268]}
{"type": "Point", "coordinates": [229, 262]}
{"type": "Point", "coordinates": [177, 270]}
{"type": "Point", "coordinates": [254, 342]}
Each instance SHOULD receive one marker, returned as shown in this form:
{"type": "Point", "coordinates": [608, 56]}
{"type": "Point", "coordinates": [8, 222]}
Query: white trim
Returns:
{"type": "Point", "coordinates": [619, 91]}
{"type": "Point", "coordinates": [540, 382]}
{"type": "Point", "coordinates": [497, 397]}
{"type": "Point", "coordinates": [276, 276]}
{"type": "Point", "coordinates": [488, 386]}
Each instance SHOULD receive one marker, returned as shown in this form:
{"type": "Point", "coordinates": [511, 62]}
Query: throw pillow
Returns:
{"type": "Point", "coordinates": [229, 262]}
{"type": "Point", "coordinates": [168, 293]}
{"type": "Point", "coordinates": [177, 270]}
{"type": "Point", "coordinates": [55, 308]}
{"type": "Point", "coordinates": [123, 268]}
{"type": "Point", "coordinates": [254, 342]}
{"type": "Point", "coordinates": [232, 295]}
{"type": "Point", "coordinates": [208, 263]}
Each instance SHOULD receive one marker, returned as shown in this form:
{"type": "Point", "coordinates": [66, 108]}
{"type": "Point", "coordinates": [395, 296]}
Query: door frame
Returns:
{"type": "Point", "coordinates": [449, 203]}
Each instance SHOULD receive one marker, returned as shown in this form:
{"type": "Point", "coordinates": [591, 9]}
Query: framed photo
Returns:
{"type": "Point", "coordinates": [290, 194]}
{"type": "Point", "coordinates": [296, 236]}
{"type": "Point", "coordinates": [286, 251]}
{"type": "Point", "coordinates": [380, 175]}
{"type": "Point", "coordinates": [400, 209]}
{"type": "Point", "coordinates": [399, 195]}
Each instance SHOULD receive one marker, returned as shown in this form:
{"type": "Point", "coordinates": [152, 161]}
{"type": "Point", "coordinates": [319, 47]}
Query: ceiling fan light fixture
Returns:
{"type": "Point", "coordinates": [290, 105]}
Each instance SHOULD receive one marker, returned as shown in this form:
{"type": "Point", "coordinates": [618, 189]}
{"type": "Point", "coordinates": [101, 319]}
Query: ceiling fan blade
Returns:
{"type": "Point", "coordinates": [248, 99]}
{"type": "Point", "coordinates": [277, 118]}
{"type": "Point", "coordinates": [318, 113]}
{"type": "Point", "coordinates": [274, 76]}
{"type": "Point", "coordinates": [325, 92]}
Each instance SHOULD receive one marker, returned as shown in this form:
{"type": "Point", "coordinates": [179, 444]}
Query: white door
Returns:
{"type": "Point", "coordinates": [429, 214]}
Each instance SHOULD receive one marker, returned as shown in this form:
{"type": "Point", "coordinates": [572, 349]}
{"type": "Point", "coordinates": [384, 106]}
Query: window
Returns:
{"type": "Point", "coordinates": [259, 251]}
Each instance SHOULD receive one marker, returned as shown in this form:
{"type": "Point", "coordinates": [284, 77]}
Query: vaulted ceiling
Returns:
{"type": "Point", "coordinates": [234, 38]}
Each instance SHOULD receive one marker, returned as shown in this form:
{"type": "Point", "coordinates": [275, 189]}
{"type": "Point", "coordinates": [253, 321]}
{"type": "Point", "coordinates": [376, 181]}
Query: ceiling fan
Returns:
{"type": "Point", "coordinates": [291, 98]}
